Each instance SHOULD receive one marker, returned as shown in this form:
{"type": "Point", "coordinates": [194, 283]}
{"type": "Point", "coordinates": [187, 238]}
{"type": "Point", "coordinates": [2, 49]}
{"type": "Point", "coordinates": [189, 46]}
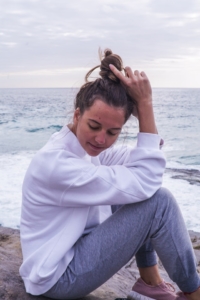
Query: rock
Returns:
{"type": "Point", "coordinates": [192, 176]}
{"type": "Point", "coordinates": [12, 287]}
{"type": "Point", "coordinates": [195, 238]}
{"type": "Point", "coordinates": [11, 284]}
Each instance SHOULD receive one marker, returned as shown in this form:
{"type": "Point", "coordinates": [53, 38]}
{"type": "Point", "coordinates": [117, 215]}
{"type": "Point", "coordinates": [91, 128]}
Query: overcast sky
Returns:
{"type": "Point", "coordinates": [53, 43]}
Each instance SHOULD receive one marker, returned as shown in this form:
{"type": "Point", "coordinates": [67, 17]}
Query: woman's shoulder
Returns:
{"type": "Point", "coordinates": [64, 141]}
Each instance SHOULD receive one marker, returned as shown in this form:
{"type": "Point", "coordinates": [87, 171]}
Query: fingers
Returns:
{"type": "Point", "coordinates": [117, 73]}
{"type": "Point", "coordinates": [136, 84]}
{"type": "Point", "coordinates": [137, 73]}
{"type": "Point", "coordinates": [143, 74]}
{"type": "Point", "coordinates": [128, 73]}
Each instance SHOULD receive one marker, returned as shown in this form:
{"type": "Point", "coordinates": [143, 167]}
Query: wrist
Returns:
{"type": "Point", "coordinates": [146, 118]}
{"type": "Point", "coordinates": [145, 105]}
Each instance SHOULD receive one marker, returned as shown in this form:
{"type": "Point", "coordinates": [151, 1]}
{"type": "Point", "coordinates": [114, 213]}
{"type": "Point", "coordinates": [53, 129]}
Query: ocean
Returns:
{"type": "Point", "coordinates": [28, 117]}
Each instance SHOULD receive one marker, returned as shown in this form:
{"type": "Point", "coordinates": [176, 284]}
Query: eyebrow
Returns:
{"type": "Point", "coordinates": [100, 124]}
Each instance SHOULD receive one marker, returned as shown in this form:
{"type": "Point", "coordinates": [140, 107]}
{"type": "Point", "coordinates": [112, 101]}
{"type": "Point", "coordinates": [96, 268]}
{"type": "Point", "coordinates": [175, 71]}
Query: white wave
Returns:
{"type": "Point", "coordinates": [188, 198]}
{"type": "Point", "coordinates": [12, 171]}
{"type": "Point", "coordinates": [176, 165]}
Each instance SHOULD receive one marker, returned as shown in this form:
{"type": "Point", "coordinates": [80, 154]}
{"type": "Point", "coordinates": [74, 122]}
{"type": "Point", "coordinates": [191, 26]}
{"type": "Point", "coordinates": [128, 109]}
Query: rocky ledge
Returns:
{"type": "Point", "coordinates": [12, 288]}
{"type": "Point", "coordinates": [191, 175]}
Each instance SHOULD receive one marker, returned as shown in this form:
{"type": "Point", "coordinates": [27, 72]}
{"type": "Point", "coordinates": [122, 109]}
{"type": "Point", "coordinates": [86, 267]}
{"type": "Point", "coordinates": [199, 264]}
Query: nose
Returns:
{"type": "Point", "coordinates": [100, 138]}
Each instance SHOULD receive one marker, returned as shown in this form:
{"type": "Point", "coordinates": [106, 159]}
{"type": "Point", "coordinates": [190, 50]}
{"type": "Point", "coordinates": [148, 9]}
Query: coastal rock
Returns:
{"type": "Point", "coordinates": [12, 287]}
{"type": "Point", "coordinates": [192, 175]}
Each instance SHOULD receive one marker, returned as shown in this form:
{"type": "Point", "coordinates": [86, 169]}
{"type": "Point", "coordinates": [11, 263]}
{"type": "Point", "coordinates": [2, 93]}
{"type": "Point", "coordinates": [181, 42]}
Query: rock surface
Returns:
{"type": "Point", "coordinates": [12, 288]}
{"type": "Point", "coordinates": [192, 175]}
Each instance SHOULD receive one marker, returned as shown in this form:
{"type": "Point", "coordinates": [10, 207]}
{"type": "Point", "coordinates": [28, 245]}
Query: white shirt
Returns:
{"type": "Point", "coordinates": [67, 193]}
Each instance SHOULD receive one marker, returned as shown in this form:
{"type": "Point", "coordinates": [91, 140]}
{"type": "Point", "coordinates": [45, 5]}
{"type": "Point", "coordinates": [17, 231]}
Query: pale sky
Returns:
{"type": "Point", "coordinates": [53, 43]}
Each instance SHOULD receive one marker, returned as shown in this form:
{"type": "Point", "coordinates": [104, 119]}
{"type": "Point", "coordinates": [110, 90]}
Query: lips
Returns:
{"type": "Point", "coordinates": [96, 148]}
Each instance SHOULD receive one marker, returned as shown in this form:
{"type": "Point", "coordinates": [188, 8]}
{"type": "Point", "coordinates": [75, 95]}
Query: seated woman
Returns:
{"type": "Point", "coordinates": [71, 241]}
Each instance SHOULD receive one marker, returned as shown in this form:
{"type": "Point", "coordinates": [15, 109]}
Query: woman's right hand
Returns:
{"type": "Point", "coordinates": [138, 87]}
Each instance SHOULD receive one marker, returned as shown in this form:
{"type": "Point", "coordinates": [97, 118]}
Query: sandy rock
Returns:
{"type": "Point", "coordinates": [12, 288]}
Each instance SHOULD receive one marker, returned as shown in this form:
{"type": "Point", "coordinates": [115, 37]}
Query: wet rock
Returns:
{"type": "Point", "coordinates": [192, 176]}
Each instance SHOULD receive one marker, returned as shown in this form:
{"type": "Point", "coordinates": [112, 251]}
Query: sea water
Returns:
{"type": "Point", "coordinates": [28, 117]}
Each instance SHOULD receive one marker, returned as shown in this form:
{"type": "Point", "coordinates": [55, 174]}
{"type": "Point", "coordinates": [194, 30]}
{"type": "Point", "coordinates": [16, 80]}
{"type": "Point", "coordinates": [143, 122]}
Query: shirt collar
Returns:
{"type": "Point", "coordinates": [72, 143]}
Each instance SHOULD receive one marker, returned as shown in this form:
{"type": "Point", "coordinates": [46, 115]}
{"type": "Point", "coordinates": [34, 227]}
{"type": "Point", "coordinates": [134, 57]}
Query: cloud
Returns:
{"type": "Point", "coordinates": [46, 72]}
{"type": "Point", "coordinates": [173, 7]}
{"type": "Point", "coordinates": [9, 44]}
{"type": "Point", "coordinates": [54, 35]}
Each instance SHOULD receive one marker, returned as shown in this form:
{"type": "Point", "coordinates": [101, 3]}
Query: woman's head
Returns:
{"type": "Point", "coordinates": [102, 107]}
{"type": "Point", "coordinates": [107, 88]}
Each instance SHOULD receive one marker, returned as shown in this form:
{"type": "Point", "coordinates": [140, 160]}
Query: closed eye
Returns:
{"type": "Point", "coordinates": [111, 133]}
{"type": "Point", "coordinates": [93, 128]}
{"type": "Point", "coordinates": [98, 128]}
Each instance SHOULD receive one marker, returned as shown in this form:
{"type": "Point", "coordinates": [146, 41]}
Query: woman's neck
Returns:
{"type": "Point", "coordinates": [71, 127]}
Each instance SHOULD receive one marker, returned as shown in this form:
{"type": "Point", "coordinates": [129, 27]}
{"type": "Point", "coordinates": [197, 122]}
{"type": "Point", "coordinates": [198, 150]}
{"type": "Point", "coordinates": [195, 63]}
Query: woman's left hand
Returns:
{"type": "Point", "coordinates": [138, 87]}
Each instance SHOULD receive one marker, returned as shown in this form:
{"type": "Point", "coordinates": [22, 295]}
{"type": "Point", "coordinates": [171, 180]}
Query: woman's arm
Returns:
{"type": "Point", "coordinates": [138, 87]}
{"type": "Point", "coordinates": [58, 177]}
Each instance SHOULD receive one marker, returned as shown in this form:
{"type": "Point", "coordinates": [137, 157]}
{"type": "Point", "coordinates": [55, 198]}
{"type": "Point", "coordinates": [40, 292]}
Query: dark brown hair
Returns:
{"type": "Point", "coordinates": [107, 88]}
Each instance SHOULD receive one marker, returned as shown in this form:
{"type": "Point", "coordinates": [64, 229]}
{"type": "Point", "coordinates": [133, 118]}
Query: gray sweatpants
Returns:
{"type": "Point", "coordinates": [134, 229]}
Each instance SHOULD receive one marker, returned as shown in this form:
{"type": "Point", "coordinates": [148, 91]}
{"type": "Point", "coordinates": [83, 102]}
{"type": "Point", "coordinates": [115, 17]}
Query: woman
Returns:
{"type": "Point", "coordinates": [71, 241]}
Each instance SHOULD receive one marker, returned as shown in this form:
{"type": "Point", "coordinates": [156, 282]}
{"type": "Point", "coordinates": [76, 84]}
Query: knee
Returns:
{"type": "Point", "coordinates": [164, 196]}
{"type": "Point", "coordinates": [163, 192]}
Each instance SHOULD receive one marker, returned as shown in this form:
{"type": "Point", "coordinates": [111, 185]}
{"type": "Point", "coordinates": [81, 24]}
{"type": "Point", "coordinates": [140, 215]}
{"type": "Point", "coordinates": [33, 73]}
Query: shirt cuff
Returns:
{"type": "Point", "coordinates": [149, 140]}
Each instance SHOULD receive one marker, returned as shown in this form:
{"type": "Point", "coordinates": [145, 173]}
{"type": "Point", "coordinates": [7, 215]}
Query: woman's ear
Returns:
{"type": "Point", "coordinates": [76, 116]}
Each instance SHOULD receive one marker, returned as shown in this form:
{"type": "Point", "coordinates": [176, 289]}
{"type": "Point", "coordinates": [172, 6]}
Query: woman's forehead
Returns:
{"type": "Point", "coordinates": [102, 112]}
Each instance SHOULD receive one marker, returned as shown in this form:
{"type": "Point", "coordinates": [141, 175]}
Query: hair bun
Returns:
{"type": "Point", "coordinates": [106, 59]}
{"type": "Point", "coordinates": [107, 52]}
{"type": "Point", "coordinates": [109, 58]}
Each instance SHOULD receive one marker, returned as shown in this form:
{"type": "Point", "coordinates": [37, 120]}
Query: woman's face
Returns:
{"type": "Point", "coordinates": [99, 126]}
